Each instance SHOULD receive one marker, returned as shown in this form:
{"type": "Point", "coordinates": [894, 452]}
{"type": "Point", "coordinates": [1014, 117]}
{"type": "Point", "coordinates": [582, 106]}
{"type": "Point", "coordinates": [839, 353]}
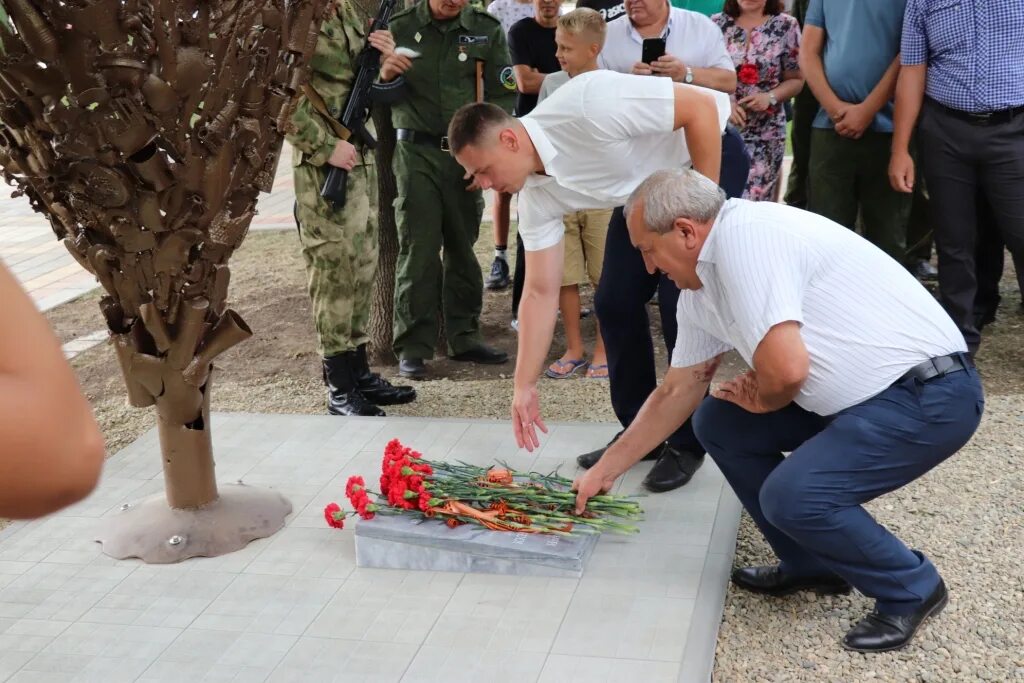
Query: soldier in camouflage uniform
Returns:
{"type": "Point", "coordinates": [436, 209]}
{"type": "Point", "coordinates": [340, 246]}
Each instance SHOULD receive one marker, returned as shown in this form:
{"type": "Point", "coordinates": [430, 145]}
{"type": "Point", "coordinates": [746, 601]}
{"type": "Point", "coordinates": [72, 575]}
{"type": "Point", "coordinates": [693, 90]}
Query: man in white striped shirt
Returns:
{"type": "Point", "coordinates": [857, 371]}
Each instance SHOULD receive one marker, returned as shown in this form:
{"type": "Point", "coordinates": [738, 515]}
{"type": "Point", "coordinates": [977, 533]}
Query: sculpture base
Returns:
{"type": "Point", "coordinates": [155, 533]}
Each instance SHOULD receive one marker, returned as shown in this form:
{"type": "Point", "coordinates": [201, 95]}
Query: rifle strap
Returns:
{"type": "Point", "coordinates": [321, 108]}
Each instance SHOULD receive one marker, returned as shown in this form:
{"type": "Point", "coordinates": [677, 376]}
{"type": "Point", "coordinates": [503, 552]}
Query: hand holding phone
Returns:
{"type": "Point", "coordinates": [653, 48]}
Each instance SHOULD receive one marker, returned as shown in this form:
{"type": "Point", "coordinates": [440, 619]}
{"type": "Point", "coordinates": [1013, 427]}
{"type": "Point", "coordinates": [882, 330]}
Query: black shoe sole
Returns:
{"type": "Point", "coordinates": [820, 589]}
{"type": "Point", "coordinates": [480, 361]}
{"type": "Point", "coordinates": [413, 375]}
{"type": "Point", "coordinates": [934, 611]}
{"type": "Point", "coordinates": [341, 414]}
{"type": "Point", "coordinates": [390, 402]}
{"type": "Point", "coordinates": [655, 487]}
{"type": "Point", "coordinates": [497, 286]}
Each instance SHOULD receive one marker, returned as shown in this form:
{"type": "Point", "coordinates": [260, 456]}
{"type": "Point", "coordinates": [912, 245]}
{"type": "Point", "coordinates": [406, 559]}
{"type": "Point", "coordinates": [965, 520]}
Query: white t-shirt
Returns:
{"type": "Point", "coordinates": [599, 136]}
{"type": "Point", "coordinates": [508, 12]}
{"type": "Point", "coordinates": [864, 319]}
{"type": "Point", "coordinates": [691, 37]}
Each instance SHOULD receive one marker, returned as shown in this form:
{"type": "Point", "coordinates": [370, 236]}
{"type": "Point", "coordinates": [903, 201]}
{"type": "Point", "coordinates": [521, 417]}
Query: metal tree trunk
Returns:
{"type": "Point", "coordinates": [145, 131]}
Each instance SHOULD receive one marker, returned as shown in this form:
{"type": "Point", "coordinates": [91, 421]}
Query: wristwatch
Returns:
{"type": "Point", "coordinates": [689, 75]}
{"type": "Point", "coordinates": [771, 99]}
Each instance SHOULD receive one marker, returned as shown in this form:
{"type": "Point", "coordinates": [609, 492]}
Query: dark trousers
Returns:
{"type": "Point", "coordinates": [850, 178]}
{"type": "Point", "coordinates": [518, 276]}
{"type": "Point", "coordinates": [808, 505]}
{"type": "Point", "coordinates": [961, 160]}
{"type": "Point", "coordinates": [805, 108]}
{"type": "Point", "coordinates": [621, 306]}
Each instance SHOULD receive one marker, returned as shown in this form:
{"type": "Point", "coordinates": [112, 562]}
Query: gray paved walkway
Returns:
{"type": "Point", "coordinates": [296, 608]}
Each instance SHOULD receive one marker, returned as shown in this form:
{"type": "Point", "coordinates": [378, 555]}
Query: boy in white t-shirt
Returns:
{"type": "Point", "coordinates": [578, 39]}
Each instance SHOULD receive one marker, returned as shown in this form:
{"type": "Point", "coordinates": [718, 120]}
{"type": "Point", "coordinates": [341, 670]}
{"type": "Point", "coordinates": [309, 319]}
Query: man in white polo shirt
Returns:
{"type": "Point", "coordinates": [586, 146]}
{"type": "Point", "coordinates": [857, 372]}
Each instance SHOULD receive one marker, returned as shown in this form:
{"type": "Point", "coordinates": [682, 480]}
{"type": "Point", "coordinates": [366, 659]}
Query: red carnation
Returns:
{"type": "Point", "coordinates": [335, 516]}
{"type": "Point", "coordinates": [427, 501]}
{"type": "Point", "coordinates": [353, 483]}
{"type": "Point", "coordinates": [747, 74]}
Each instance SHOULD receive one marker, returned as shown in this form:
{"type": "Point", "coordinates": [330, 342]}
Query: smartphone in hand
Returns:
{"type": "Point", "coordinates": [653, 49]}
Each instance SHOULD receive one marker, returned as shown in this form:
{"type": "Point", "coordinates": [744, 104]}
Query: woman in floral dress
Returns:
{"type": "Point", "coordinates": [764, 45]}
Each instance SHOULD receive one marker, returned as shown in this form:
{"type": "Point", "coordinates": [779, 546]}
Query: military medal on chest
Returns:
{"type": "Point", "coordinates": [462, 54]}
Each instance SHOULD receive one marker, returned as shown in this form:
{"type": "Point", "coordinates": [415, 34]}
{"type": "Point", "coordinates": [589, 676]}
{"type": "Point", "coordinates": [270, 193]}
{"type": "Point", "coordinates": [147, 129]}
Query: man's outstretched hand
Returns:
{"type": "Point", "coordinates": [591, 484]}
{"type": "Point", "coordinates": [526, 419]}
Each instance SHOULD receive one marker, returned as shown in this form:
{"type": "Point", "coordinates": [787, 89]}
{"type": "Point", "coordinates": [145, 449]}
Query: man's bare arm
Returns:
{"type": "Point", "coordinates": [528, 79]}
{"type": "Point", "coordinates": [697, 114]}
{"type": "Point", "coordinates": [782, 363]}
{"type": "Point", "coordinates": [910, 88]}
{"type": "Point", "coordinates": [668, 406]}
{"type": "Point", "coordinates": [716, 78]}
{"type": "Point", "coordinates": [538, 310]}
{"type": "Point", "coordinates": [812, 46]}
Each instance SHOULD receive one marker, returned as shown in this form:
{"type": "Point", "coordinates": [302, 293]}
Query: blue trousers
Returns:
{"type": "Point", "coordinates": [808, 505]}
{"type": "Point", "coordinates": [621, 306]}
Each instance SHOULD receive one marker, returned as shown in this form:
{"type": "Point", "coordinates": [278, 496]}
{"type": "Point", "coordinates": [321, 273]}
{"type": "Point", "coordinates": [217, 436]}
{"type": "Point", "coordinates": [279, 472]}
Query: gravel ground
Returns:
{"type": "Point", "coordinates": [965, 515]}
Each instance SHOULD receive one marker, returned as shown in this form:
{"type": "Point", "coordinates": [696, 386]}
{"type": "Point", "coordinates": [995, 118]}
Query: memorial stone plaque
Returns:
{"type": "Point", "coordinates": [405, 542]}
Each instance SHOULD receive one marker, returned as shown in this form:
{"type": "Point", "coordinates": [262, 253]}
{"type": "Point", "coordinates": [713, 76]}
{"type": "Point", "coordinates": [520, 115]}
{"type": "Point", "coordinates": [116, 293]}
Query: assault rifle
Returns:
{"type": "Point", "coordinates": [357, 108]}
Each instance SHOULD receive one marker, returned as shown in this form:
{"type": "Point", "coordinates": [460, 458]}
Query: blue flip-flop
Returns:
{"type": "Point", "coordinates": [590, 371]}
{"type": "Point", "coordinates": [566, 368]}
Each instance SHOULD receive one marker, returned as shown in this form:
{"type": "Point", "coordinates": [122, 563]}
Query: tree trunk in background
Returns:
{"type": "Point", "coordinates": [383, 303]}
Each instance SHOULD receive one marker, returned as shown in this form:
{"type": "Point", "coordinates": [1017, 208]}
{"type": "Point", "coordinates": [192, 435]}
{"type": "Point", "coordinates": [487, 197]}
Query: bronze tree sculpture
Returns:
{"type": "Point", "coordinates": [145, 131]}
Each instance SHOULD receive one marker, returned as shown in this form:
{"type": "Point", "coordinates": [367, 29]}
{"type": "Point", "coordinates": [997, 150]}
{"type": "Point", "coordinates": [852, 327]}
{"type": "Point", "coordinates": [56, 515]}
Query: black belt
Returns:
{"type": "Point", "coordinates": [936, 367]}
{"type": "Point", "coordinates": [987, 118]}
{"type": "Point", "coordinates": [418, 138]}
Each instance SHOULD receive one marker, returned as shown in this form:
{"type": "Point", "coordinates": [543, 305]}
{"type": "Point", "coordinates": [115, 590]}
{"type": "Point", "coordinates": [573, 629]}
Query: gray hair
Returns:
{"type": "Point", "coordinates": [668, 195]}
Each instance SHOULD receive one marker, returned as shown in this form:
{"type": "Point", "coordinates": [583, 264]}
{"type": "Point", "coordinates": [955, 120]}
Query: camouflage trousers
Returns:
{"type": "Point", "coordinates": [340, 251]}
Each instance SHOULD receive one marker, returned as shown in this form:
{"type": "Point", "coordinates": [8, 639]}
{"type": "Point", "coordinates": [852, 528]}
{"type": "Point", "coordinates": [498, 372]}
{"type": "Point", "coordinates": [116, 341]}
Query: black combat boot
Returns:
{"type": "Point", "coordinates": [343, 398]}
{"type": "Point", "coordinates": [375, 388]}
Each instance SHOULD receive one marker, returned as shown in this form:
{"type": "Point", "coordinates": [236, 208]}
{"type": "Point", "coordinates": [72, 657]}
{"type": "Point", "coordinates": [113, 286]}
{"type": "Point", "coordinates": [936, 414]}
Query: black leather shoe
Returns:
{"type": "Point", "coordinates": [343, 398]}
{"type": "Point", "coordinates": [498, 279]}
{"type": "Point", "coordinates": [882, 632]}
{"type": "Point", "coordinates": [375, 388]}
{"type": "Point", "coordinates": [483, 355]}
{"type": "Point", "coordinates": [924, 271]}
{"type": "Point", "coordinates": [984, 317]}
{"type": "Point", "coordinates": [413, 368]}
{"type": "Point", "coordinates": [588, 460]}
{"type": "Point", "coordinates": [673, 469]}
{"type": "Point", "coordinates": [771, 581]}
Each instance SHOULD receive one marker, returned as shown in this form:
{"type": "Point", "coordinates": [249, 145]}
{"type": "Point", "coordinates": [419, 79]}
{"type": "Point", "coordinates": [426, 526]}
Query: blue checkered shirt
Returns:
{"type": "Point", "coordinates": [974, 50]}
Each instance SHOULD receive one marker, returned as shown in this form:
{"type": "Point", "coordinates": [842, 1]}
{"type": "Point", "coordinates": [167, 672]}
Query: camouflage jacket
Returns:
{"type": "Point", "coordinates": [341, 38]}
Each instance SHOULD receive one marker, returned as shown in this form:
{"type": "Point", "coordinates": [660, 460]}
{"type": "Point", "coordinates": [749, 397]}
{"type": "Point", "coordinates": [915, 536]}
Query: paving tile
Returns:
{"type": "Point", "coordinates": [625, 627]}
{"type": "Point", "coordinates": [455, 664]}
{"type": "Point", "coordinates": [323, 659]}
{"type": "Point", "coordinates": [268, 604]}
{"type": "Point", "coordinates": [569, 669]}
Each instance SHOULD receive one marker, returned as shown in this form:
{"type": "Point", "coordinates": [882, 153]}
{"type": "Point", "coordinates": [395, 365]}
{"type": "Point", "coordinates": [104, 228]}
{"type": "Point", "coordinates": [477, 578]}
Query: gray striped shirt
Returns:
{"type": "Point", "coordinates": [864, 319]}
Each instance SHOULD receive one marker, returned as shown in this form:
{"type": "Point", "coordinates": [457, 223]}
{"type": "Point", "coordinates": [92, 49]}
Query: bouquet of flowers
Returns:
{"type": "Point", "coordinates": [497, 498]}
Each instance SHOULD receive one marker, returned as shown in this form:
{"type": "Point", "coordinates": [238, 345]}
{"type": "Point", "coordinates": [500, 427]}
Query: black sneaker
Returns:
{"type": "Point", "coordinates": [499, 278]}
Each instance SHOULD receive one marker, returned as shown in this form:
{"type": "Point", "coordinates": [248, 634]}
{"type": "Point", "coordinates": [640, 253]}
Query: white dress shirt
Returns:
{"type": "Point", "coordinates": [864, 319]}
{"type": "Point", "coordinates": [599, 136]}
{"type": "Point", "coordinates": [692, 38]}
